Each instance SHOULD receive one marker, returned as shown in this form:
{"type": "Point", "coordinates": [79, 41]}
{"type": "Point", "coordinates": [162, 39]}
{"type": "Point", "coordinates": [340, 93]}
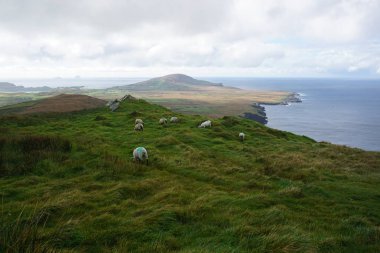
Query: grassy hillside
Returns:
{"type": "Point", "coordinates": [184, 94]}
{"type": "Point", "coordinates": [68, 184]}
{"type": "Point", "coordinates": [58, 103]}
{"type": "Point", "coordinates": [173, 82]}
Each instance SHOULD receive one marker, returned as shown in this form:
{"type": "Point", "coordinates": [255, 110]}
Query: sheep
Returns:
{"type": "Point", "coordinates": [139, 121]}
{"type": "Point", "coordinates": [163, 121]}
{"type": "Point", "coordinates": [140, 154]}
{"type": "Point", "coordinates": [139, 127]}
{"type": "Point", "coordinates": [173, 120]}
{"type": "Point", "coordinates": [205, 124]}
{"type": "Point", "coordinates": [242, 136]}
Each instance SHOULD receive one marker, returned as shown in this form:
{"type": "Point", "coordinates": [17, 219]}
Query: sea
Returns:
{"type": "Point", "coordinates": [340, 111]}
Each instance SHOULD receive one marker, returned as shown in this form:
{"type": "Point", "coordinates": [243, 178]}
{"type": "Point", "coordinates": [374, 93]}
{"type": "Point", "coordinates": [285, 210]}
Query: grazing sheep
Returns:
{"type": "Point", "coordinates": [139, 121]}
{"type": "Point", "coordinates": [205, 124]}
{"type": "Point", "coordinates": [140, 154]}
{"type": "Point", "coordinates": [163, 121]}
{"type": "Point", "coordinates": [139, 127]}
{"type": "Point", "coordinates": [173, 120]}
{"type": "Point", "coordinates": [242, 136]}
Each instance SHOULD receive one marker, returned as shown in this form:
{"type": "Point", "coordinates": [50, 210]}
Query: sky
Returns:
{"type": "Point", "coordinates": [134, 38]}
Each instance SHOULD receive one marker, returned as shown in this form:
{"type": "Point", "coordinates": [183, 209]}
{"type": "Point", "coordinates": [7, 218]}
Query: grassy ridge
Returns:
{"type": "Point", "coordinates": [68, 183]}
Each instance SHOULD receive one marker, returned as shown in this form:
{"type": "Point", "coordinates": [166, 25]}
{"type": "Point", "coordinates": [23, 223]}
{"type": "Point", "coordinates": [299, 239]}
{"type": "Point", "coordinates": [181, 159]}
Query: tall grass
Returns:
{"type": "Point", "coordinates": [20, 155]}
{"type": "Point", "coordinates": [24, 233]}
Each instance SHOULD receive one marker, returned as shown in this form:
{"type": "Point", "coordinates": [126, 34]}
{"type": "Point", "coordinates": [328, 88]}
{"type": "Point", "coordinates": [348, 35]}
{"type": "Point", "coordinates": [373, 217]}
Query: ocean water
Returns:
{"type": "Point", "coordinates": [335, 110]}
{"type": "Point", "coordinates": [340, 111]}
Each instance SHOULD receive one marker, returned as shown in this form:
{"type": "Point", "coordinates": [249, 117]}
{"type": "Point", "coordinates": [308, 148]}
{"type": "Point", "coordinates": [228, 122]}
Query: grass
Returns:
{"type": "Point", "coordinates": [68, 184]}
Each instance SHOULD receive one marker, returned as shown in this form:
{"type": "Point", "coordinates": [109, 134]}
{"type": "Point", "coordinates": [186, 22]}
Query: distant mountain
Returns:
{"type": "Point", "coordinates": [174, 82]}
{"type": "Point", "coordinates": [10, 87]}
{"type": "Point", "coordinates": [60, 103]}
{"type": "Point", "coordinates": [6, 85]}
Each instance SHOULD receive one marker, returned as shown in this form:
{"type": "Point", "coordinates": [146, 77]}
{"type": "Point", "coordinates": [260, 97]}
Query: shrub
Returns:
{"type": "Point", "coordinates": [229, 121]}
{"type": "Point", "coordinates": [20, 155]}
{"type": "Point", "coordinates": [100, 117]}
{"type": "Point", "coordinates": [47, 143]}
{"type": "Point", "coordinates": [134, 114]}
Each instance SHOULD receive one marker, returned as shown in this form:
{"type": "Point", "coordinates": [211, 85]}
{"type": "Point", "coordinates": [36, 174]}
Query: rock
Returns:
{"type": "Point", "coordinates": [113, 105]}
{"type": "Point", "coordinates": [128, 97]}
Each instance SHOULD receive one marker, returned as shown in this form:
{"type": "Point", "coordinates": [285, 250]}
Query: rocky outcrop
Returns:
{"type": "Point", "coordinates": [260, 116]}
{"type": "Point", "coordinates": [128, 97]}
{"type": "Point", "coordinates": [113, 105]}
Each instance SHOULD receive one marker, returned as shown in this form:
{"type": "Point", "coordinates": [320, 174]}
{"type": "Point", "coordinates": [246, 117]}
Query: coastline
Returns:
{"type": "Point", "coordinates": [261, 115]}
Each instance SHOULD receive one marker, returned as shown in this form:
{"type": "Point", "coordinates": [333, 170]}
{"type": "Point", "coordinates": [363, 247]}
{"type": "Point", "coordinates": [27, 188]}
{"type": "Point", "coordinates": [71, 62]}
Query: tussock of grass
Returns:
{"type": "Point", "coordinates": [24, 233]}
{"type": "Point", "coordinates": [202, 191]}
{"type": "Point", "coordinates": [292, 191]}
{"type": "Point", "coordinates": [21, 155]}
{"type": "Point", "coordinates": [48, 143]}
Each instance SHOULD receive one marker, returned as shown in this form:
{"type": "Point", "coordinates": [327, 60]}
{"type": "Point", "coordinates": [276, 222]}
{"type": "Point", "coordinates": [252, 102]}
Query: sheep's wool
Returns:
{"type": "Point", "coordinates": [140, 152]}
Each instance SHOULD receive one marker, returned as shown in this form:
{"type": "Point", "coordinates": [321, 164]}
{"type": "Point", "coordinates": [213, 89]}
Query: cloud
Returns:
{"type": "Point", "coordinates": [225, 37]}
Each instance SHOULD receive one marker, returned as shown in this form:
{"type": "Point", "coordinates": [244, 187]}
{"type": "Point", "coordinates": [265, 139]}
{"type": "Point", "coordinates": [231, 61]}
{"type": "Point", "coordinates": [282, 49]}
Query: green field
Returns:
{"type": "Point", "coordinates": [68, 184]}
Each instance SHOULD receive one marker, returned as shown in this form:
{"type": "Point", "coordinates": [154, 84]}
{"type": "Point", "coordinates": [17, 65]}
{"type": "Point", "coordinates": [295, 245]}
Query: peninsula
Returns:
{"type": "Point", "coordinates": [180, 93]}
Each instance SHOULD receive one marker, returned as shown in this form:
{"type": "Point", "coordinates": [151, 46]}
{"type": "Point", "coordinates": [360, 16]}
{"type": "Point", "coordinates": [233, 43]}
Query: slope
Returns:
{"type": "Point", "coordinates": [68, 183]}
{"type": "Point", "coordinates": [59, 103]}
{"type": "Point", "coordinates": [173, 82]}
{"type": "Point", "coordinates": [185, 94]}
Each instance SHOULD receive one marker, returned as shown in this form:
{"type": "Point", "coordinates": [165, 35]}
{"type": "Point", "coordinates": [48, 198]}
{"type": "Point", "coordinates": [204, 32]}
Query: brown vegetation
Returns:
{"type": "Point", "coordinates": [64, 103]}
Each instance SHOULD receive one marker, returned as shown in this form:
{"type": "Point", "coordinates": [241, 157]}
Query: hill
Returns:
{"type": "Point", "coordinates": [10, 87]}
{"type": "Point", "coordinates": [173, 82]}
{"type": "Point", "coordinates": [68, 184]}
{"type": "Point", "coordinates": [58, 103]}
{"type": "Point", "coordinates": [178, 92]}
{"type": "Point", "coordinates": [185, 94]}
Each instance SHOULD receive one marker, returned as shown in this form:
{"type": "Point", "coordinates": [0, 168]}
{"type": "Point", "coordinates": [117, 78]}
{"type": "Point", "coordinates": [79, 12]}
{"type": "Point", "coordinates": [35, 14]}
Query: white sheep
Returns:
{"type": "Point", "coordinates": [173, 119]}
{"type": "Point", "coordinates": [140, 154]}
{"type": "Point", "coordinates": [139, 121]}
{"type": "Point", "coordinates": [139, 127]}
{"type": "Point", "coordinates": [242, 136]}
{"type": "Point", "coordinates": [163, 121]}
{"type": "Point", "coordinates": [205, 124]}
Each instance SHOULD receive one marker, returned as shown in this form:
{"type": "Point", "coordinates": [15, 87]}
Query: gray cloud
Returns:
{"type": "Point", "coordinates": [227, 37]}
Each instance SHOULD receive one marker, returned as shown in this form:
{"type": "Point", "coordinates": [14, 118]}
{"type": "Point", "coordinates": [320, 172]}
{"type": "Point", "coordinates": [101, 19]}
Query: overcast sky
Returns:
{"type": "Point", "coordinates": [125, 38]}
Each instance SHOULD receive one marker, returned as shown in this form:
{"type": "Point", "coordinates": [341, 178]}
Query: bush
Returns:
{"type": "Point", "coordinates": [134, 114]}
{"type": "Point", "coordinates": [20, 155]}
{"type": "Point", "coordinates": [229, 121]}
{"type": "Point", "coordinates": [48, 143]}
{"type": "Point", "coordinates": [99, 117]}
